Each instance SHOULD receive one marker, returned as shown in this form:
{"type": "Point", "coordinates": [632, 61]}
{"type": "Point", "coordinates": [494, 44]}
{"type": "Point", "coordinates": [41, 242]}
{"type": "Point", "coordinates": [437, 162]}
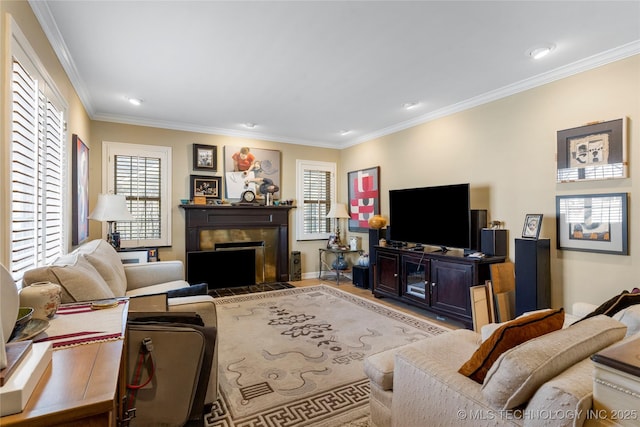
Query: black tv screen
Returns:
{"type": "Point", "coordinates": [222, 269]}
{"type": "Point", "coordinates": [438, 216]}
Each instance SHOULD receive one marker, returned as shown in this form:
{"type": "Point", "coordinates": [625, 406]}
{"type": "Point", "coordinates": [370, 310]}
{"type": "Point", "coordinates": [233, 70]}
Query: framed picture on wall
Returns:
{"type": "Point", "coordinates": [248, 168]}
{"type": "Point", "coordinates": [592, 152]}
{"type": "Point", "coordinates": [364, 197]}
{"type": "Point", "coordinates": [593, 223]}
{"type": "Point", "coordinates": [80, 193]}
{"type": "Point", "coordinates": [209, 187]}
{"type": "Point", "coordinates": [205, 157]}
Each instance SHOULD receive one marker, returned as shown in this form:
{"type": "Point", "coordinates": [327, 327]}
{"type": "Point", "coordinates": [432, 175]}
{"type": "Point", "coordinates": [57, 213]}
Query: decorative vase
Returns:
{"type": "Point", "coordinates": [43, 297]}
{"type": "Point", "coordinates": [363, 260]}
{"type": "Point", "coordinates": [377, 221]}
{"type": "Point", "coordinates": [340, 263]}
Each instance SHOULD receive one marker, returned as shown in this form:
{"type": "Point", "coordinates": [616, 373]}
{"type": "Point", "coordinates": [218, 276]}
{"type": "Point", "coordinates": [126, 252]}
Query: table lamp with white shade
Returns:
{"type": "Point", "coordinates": [338, 211]}
{"type": "Point", "coordinates": [111, 208]}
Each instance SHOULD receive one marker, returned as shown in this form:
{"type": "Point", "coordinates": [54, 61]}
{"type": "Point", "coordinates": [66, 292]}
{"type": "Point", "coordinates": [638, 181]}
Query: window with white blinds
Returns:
{"type": "Point", "coordinates": [37, 159]}
{"type": "Point", "coordinates": [142, 174]}
{"type": "Point", "coordinates": [315, 193]}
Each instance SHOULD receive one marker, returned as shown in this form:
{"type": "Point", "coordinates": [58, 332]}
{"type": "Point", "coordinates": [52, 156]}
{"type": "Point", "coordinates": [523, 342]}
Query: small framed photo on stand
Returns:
{"type": "Point", "coordinates": [532, 226]}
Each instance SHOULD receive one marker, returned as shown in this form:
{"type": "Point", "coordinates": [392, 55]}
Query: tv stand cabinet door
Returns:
{"type": "Point", "coordinates": [387, 274]}
{"type": "Point", "coordinates": [450, 282]}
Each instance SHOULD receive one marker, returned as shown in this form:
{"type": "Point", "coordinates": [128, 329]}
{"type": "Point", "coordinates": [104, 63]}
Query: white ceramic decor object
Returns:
{"type": "Point", "coordinates": [9, 305]}
{"type": "Point", "coordinates": [43, 297]}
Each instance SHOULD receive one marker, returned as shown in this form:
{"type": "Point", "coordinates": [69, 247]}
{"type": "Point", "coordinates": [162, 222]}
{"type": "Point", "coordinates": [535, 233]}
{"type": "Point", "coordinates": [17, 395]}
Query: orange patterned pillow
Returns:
{"type": "Point", "coordinates": [507, 336]}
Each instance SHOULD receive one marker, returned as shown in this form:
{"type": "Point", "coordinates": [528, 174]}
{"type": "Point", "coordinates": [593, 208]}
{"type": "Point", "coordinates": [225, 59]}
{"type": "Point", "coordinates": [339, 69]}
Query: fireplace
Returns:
{"type": "Point", "coordinates": [223, 226]}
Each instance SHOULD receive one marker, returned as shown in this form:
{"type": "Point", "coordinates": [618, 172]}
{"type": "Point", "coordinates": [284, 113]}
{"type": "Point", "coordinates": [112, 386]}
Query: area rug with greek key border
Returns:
{"type": "Point", "coordinates": [294, 357]}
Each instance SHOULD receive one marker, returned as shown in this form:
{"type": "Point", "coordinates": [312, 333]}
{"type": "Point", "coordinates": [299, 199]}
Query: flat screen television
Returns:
{"type": "Point", "coordinates": [437, 216]}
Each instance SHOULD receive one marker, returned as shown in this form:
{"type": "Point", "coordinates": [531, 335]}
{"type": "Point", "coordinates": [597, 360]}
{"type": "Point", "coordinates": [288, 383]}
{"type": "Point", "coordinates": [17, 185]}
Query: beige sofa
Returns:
{"type": "Point", "coordinates": [94, 271]}
{"type": "Point", "coordinates": [544, 381]}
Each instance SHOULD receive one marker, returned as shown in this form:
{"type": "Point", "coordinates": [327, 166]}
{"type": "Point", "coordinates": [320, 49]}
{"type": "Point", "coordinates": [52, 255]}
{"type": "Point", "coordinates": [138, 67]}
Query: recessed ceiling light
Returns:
{"type": "Point", "coordinates": [135, 101]}
{"type": "Point", "coordinates": [540, 51]}
{"type": "Point", "coordinates": [344, 132]}
{"type": "Point", "coordinates": [410, 105]}
{"type": "Point", "coordinates": [249, 125]}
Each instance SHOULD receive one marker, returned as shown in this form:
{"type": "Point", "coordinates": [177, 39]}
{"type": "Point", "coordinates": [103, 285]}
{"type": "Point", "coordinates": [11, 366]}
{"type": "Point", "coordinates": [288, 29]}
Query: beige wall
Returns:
{"type": "Point", "coordinates": [505, 149]}
{"type": "Point", "coordinates": [182, 147]}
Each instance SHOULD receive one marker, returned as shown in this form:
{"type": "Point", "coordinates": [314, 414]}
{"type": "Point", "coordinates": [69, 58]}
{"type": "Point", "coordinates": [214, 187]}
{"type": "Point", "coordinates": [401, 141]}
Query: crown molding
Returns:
{"type": "Point", "coordinates": [586, 64]}
{"type": "Point", "coordinates": [44, 16]}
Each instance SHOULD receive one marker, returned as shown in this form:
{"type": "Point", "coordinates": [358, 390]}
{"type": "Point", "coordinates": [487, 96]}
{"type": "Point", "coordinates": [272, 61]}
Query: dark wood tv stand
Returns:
{"type": "Point", "coordinates": [435, 281]}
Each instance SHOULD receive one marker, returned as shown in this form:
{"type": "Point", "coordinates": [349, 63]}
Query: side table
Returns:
{"type": "Point", "coordinates": [616, 385]}
{"type": "Point", "coordinates": [83, 385]}
{"type": "Point", "coordinates": [337, 253]}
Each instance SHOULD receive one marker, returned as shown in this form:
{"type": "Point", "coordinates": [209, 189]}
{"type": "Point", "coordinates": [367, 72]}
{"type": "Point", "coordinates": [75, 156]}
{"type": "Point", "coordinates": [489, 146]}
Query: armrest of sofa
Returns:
{"type": "Point", "coordinates": [432, 370]}
{"type": "Point", "coordinates": [201, 304]}
{"type": "Point", "coordinates": [153, 273]}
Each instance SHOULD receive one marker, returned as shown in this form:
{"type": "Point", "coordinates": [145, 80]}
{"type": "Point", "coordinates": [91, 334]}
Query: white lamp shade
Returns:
{"type": "Point", "coordinates": [111, 207]}
{"type": "Point", "coordinates": [338, 210]}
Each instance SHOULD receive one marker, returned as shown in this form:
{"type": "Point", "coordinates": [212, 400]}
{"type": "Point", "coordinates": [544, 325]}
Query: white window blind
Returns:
{"type": "Point", "coordinates": [138, 178]}
{"type": "Point", "coordinates": [37, 158]}
{"type": "Point", "coordinates": [316, 190]}
{"type": "Point", "coordinates": [142, 173]}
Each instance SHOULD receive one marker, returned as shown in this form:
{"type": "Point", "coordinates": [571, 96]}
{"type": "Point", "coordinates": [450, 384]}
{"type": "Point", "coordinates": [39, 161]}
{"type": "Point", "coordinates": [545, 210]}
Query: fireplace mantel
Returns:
{"type": "Point", "coordinates": [200, 218]}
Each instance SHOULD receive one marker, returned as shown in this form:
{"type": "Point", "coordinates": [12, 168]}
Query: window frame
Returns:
{"type": "Point", "coordinates": [301, 167]}
{"type": "Point", "coordinates": [51, 212]}
{"type": "Point", "coordinates": [112, 149]}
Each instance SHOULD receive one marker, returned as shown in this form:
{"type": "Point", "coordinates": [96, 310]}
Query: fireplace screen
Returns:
{"type": "Point", "coordinates": [265, 261]}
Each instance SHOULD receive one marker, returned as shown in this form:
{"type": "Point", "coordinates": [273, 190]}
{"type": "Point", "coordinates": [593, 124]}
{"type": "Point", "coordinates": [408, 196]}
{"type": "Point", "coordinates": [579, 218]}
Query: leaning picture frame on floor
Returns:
{"type": "Point", "coordinates": [595, 151]}
{"type": "Point", "coordinates": [364, 197]}
{"type": "Point", "coordinates": [593, 223]}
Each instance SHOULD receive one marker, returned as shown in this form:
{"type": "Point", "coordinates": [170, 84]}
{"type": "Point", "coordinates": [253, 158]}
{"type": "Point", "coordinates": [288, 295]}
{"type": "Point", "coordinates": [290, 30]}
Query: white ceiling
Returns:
{"type": "Point", "coordinates": [303, 71]}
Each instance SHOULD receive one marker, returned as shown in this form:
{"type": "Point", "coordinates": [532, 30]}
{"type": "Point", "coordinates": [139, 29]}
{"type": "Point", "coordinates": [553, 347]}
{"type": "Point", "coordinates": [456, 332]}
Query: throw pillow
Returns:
{"type": "Point", "coordinates": [507, 336]}
{"type": "Point", "coordinates": [630, 316]}
{"type": "Point", "coordinates": [189, 291]}
{"type": "Point", "coordinates": [80, 281]}
{"type": "Point", "coordinates": [614, 305]}
{"type": "Point", "coordinates": [112, 271]}
{"type": "Point", "coordinates": [519, 372]}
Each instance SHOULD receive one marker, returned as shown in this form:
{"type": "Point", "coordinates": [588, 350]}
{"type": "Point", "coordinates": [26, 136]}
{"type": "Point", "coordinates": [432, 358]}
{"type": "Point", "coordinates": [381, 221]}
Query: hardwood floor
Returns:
{"type": "Point", "coordinates": [347, 286]}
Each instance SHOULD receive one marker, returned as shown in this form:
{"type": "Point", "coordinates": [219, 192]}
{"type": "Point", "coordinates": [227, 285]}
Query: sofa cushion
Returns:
{"type": "Point", "coordinates": [189, 291]}
{"type": "Point", "coordinates": [630, 316]}
{"type": "Point", "coordinates": [507, 336]}
{"type": "Point", "coordinates": [79, 280]}
{"type": "Point", "coordinates": [159, 288]}
{"type": "Point", "coordinates": [106, 260]}
{"type": "Point", "coordinates": [615, 304]}
{"type": "Point", "coordinates": [519, 372]}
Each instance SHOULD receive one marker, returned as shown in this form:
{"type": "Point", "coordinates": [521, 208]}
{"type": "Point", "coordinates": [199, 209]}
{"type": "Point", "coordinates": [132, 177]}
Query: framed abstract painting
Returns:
{"type": "Point", "coordinates": [364, 197]}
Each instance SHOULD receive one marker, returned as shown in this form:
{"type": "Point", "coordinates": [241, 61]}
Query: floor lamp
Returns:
{"type": "Point", "coordinates": [111, 208]}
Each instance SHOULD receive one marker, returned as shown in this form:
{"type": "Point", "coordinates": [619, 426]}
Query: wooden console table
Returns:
{"type": "Point", "coordinates": [82, 386]}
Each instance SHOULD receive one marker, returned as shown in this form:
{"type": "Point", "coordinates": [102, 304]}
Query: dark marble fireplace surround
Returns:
{"type": "Point", "coordinates": [206, 225]}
